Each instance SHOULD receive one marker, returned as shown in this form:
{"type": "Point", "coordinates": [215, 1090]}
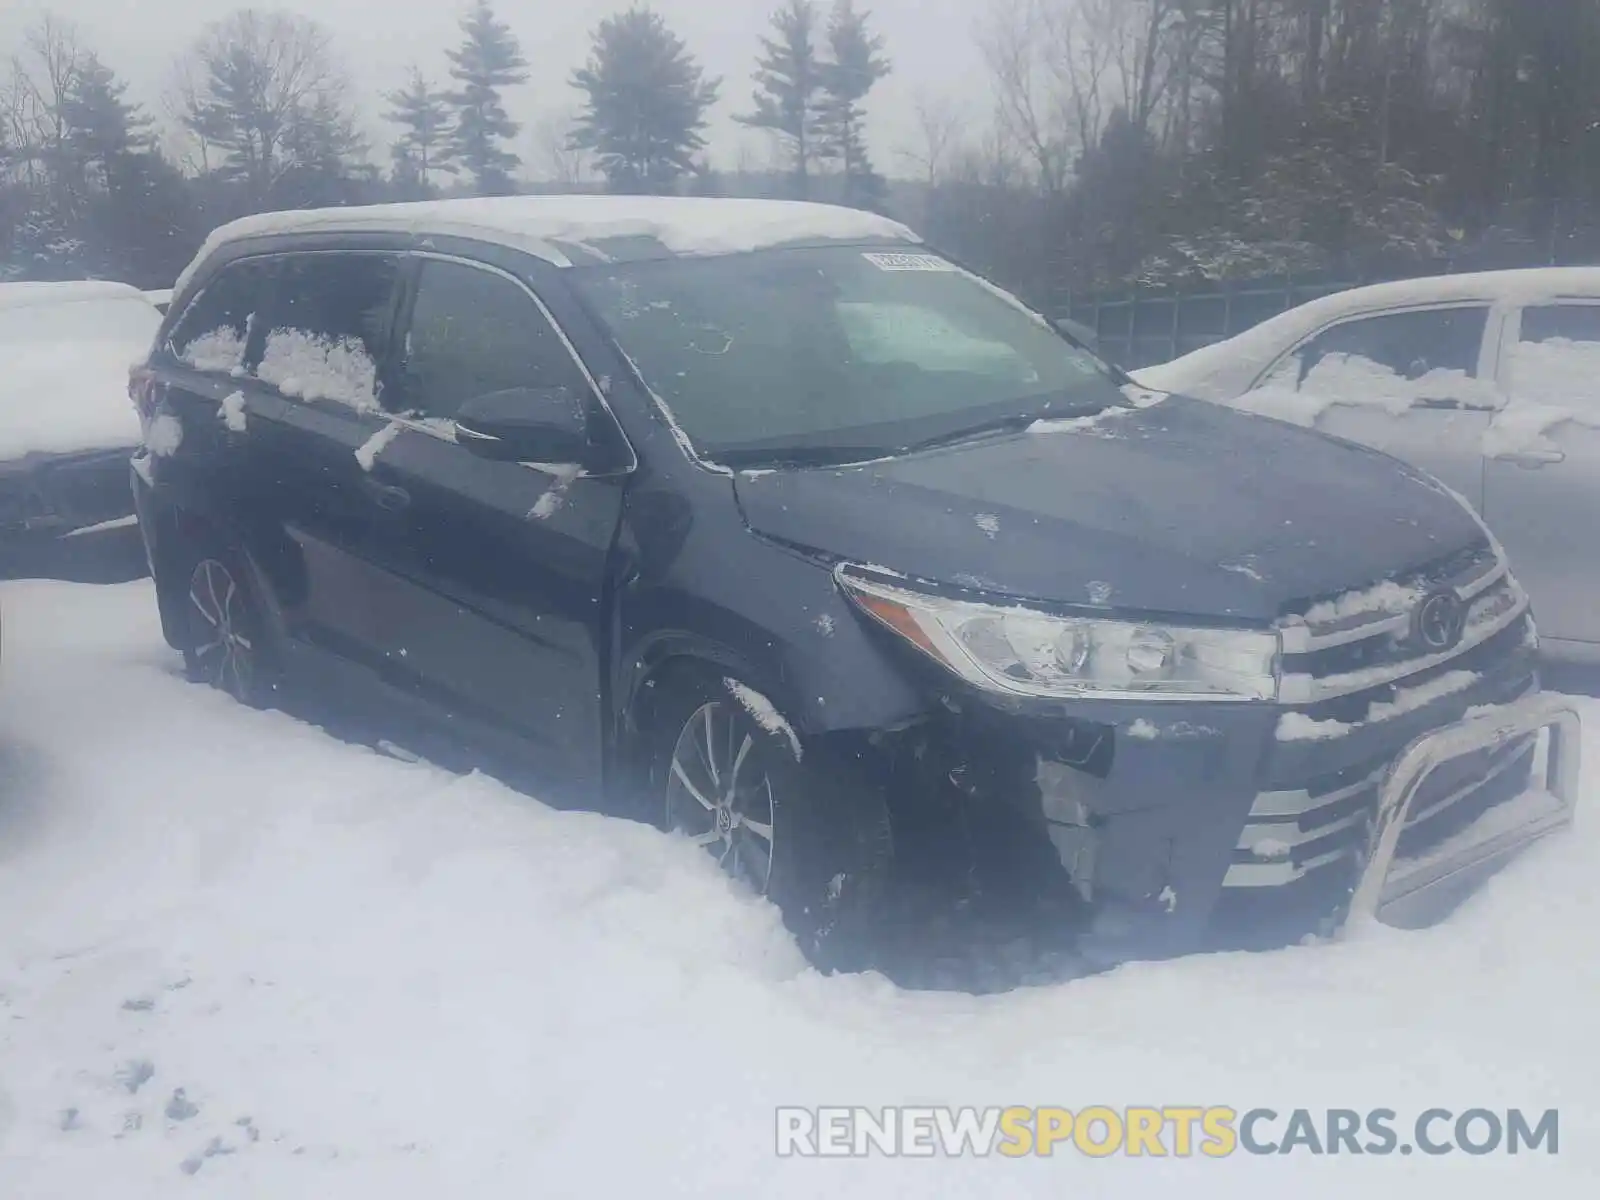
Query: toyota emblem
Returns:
{"type": "Point", "coordinates": [1439, 621]}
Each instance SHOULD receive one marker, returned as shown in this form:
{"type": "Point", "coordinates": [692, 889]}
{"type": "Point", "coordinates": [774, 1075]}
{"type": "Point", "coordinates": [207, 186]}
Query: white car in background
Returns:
{"type": "Point", "coordinates": [67, 428]}
{"type": "Point", "coordinates": [1489, 381]}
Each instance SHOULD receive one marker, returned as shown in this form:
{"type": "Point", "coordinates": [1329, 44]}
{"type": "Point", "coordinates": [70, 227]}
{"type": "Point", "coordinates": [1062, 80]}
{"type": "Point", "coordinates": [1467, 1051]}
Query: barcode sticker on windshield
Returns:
{"type": "Point", "coordinates": [909, 262]}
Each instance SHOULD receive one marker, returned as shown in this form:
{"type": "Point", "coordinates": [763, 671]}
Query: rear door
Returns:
{"type": "Point", "coordinates": [1542, 480]}
{"type": "Point", "coordinates": [312, 393]}
{"type": "Point", "coordinates": [498, 569]}
{"type": "Point", "coordinates": [1418, 384]}
{"type": "Point", "coordinates": [202, 363]}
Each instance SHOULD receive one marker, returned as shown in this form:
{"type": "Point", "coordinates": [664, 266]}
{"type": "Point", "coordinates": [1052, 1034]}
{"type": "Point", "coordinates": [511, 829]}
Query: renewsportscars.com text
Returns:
{"type": "Point", "coordinates": [1160, 1132]}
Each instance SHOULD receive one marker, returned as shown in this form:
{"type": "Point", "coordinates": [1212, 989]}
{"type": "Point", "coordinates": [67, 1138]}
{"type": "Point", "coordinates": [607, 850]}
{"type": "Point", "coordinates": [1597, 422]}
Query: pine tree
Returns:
{"type": "Point", "coordinates": [134, 214]}
{"type": "Point", "coordinates": [789, 85]}
{"type": "Point", "coordinates": [854, 66]}
{"type": "Point", "coordinates": [101, 128]}
{"type": "Point", "coordinates": [327, 155]}
{"type": "Point", "coordinates": [423, 146]}
{"type": "Point", "coordinates": [646, 106]}
{"type": "Point", "coordinates": [488, 61]}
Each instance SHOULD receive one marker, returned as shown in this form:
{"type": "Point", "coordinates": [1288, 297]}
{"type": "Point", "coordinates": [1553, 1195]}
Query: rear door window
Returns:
{"type": "Point", "coordinates": [214, 331]}
{"type": "Point", "coordinates": [474, 332]}
{"type": "Point", "coordinates": [328, 329]}
{"type": "Point", "coordinates": [1557, 358]}
{"type": "Point", "coordinates": [1395, 360]}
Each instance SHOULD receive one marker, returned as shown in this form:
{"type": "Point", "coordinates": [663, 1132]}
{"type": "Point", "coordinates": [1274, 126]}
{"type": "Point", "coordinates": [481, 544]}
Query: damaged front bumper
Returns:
{"type": "Point", "coordinates": [1193, 826]}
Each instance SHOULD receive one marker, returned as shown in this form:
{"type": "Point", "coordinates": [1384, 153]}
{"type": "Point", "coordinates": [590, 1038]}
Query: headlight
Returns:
{"type": "Point", "coordinates": [1028, 653]}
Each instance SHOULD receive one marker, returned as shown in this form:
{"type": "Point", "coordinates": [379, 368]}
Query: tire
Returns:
{"type": "Point", "coordinates": [226, 641]}
{"type": "Point", "coordinates": [788, 821]}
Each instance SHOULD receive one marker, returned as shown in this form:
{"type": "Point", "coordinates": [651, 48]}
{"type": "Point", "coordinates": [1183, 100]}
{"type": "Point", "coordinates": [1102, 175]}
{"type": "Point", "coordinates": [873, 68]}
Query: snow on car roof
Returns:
{"type": "Point", "coordinates": [1541, 283]}
{"type": "Point", "coordinates": [1193, 370]}
{"type": "Point", "coordinates": [683, 225]}
{"type": "Point", "coordinates": [66, 348]}
{"type": "Point", "coordinates": [29, 295]}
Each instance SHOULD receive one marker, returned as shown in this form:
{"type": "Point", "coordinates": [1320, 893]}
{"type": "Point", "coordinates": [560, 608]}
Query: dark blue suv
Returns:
{"type": "Point", "coordinates": [769, 524]}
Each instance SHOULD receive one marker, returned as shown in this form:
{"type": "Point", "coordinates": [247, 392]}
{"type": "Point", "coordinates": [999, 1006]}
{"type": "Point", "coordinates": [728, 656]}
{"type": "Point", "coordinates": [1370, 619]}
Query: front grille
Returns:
{"type": "Point", "coordinates": [1292, 834]}
{"type": "Point", "coordinates": [1346, 655]}
{"type": "Point", "coordinates": [1360, 690]}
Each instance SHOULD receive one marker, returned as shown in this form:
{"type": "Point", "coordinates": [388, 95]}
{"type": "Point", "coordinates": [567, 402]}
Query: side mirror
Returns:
{"type": "Point", "coordinates": [543, 425]}
{"type": "Point", "coordinates": [1076, 331]}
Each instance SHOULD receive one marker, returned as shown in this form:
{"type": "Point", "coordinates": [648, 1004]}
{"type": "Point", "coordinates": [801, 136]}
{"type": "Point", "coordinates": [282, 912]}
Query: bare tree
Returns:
{"type": "Point", "coordinates": [42, 81]}
{"type": "Point", "coordinates": [1145, 35]}
{"type": "Point", "coordinates": [1030, 94]}
{"type": "Point", "coordinates": [939, 123]}
{"type": "Point", "coordinates": [1080, 38]}
{"type": "Point", "coordinates": [988, 160]}
{"type": "Point", "coordinates": [555, 160]}
{"type": "Point", "coordinates": [263, 90]}
{"type": "Point", "coordinates": [1059, 68]}
{"type": "Point", "coordinates": [190, 147]}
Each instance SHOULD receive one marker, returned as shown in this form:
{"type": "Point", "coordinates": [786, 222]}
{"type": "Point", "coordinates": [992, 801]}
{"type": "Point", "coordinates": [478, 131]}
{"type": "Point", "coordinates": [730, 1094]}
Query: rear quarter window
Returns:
{"type": "Point", "coordinates": [1557, 358]}
{"type": "Point", "coordinates": [213, 332]}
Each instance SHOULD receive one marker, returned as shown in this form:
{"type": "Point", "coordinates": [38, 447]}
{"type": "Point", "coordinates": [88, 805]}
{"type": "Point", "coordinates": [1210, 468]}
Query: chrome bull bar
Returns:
{"type": "Point", "coordinates": [1413, 893]}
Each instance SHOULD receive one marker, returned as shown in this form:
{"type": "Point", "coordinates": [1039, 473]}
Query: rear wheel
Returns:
{"type": "Point", "coordinates": [789, 822]}
{"type": "Point", "coordinates": [226, 645]}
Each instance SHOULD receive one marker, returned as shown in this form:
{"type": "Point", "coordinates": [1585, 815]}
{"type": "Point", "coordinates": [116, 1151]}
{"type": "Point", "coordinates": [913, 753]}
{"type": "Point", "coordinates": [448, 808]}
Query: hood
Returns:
{"type": "Point", "coordinates": [1180, 508]}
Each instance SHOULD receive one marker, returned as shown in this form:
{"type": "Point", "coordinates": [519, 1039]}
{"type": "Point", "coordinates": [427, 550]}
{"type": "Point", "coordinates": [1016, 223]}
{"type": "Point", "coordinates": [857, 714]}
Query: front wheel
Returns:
{"type": "Point", "coordinates": [789, 822]}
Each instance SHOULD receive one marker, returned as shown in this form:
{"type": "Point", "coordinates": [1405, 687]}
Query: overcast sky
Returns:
{"type": "Point", "coordinates": [930, 42]}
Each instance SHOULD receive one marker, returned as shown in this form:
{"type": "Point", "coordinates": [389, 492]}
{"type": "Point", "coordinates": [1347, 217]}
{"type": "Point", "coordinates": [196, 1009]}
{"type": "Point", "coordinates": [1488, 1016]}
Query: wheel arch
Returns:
{"type": "Point", "coordinates": [815, 695]}
{"type": "Point", "coordinates": [180, 533]}
{"type": "Point", "coordinates": [659, 658]}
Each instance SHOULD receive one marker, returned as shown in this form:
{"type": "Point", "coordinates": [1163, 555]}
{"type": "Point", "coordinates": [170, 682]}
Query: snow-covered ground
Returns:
{"type": "Point", "coordinates": [239, 958]}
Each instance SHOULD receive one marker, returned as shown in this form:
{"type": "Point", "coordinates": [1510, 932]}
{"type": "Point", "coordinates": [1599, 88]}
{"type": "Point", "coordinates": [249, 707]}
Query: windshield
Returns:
{"type": "Point", "coordinates": [843, 350]}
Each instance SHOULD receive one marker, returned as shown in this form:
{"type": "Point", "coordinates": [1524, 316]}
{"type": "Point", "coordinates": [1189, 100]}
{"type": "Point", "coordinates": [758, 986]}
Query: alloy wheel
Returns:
{"type": "Point", "coordinates": [224, 649]}
{"type": "Point", "coordinates": [720, 796]}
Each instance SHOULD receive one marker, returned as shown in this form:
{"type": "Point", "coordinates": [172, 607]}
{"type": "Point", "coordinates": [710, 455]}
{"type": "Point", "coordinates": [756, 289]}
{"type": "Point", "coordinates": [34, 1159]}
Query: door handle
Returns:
{"type": "Point", "coordinates": [1531, 458]}
{"type": "Point", "coordinates": [385, 495]}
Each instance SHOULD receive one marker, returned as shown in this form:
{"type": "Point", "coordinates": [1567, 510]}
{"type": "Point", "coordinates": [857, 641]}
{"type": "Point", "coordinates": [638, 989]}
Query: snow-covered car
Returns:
{"type": "Point", "coordinates": [1489, 381]}
{"type": "Point", "coordinates": [66, 428]}
{"type": "Point", "coordinates": [774, 526]}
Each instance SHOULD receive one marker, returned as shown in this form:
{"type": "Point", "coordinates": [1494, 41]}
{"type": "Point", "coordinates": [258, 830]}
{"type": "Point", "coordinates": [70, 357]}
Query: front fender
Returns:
{"type": "Point", "coordinates": [780, 625]}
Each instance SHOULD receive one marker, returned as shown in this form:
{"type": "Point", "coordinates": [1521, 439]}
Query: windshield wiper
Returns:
{"type": "Point", "coordinates": [1014, 422]}
{"type": "Point", "coordinates": [828, 454]}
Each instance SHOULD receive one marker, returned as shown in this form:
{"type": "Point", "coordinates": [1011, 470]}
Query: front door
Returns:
{"type": "Point", "coordinates": [1542, 477]}
{"type": "Point", "coordinates": [499, 569]}
{"type": "Point", "coordinates": [1417, 384]}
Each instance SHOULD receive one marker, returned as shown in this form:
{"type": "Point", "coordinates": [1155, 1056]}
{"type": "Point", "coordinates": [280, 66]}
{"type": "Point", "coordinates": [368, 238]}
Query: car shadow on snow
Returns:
{"type": "Point", "coordinates": [104, 556]}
